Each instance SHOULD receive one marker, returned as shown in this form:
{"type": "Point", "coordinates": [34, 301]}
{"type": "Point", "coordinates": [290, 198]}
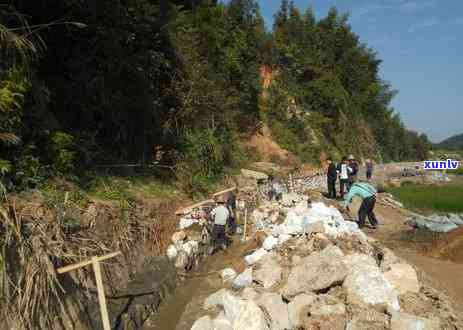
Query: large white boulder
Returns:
{"type": "Point", "coordinates": [270, 243]}
{"type": "Point", "coordinates": [255, 256]}
{"type": "Point", "coordinates": [319, 271]}
{"type": "Point", "coordinates": [249, 293]}
{"type": "Point", "coordinates": [243, 280]}
{"type": "Point", "coordinates": [228, 274]}
{"type": "Point", "coordinates": [187, 222]}
{"type": "Point", "coordinates": [215, 299]}
{"type": "Point", "coordinates": [297, 306]}
{"type": "Point", "coordinates": [250, 317]}
{"type": "Point", "coordinates": [191, 248]}
{"type": "Point", "coordinates": [276, 310]}
{"type": "Point", "coordinates": [366, 286]}
{"type": "Point", "coordinates": [204, 323]}
{"type": "Point", "coordinates": [403, 321]}
{"type": "Point", "coordinates": [221, 322]}
{"type": "Point", "coordinates": [403, 278]}
{"type": "Point", "coordinates": [172, 252]}
{"type": "Point", "coordinates": [269, 272]}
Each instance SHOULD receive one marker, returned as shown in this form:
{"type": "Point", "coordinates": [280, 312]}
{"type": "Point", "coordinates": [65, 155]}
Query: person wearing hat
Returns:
{"type": "Point", "coordinates": [353, 173]}
{"type": "Point", "coordinates": [367, 193]}
{"type": "Point", "coordinates": [220, 215]}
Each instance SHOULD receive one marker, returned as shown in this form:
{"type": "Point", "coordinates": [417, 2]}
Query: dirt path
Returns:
{"type": "Point", "coordinates": [442, 274]}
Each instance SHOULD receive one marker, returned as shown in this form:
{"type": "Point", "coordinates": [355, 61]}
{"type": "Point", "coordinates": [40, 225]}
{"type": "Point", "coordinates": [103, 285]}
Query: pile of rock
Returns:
{"type": "Point", "coordinates": [315, 182]}
{"type": "Point", "coordinates": [387, 199]}
{"type": "Point", "coordinates": [190, 242]}
{"type": "Point", "coordinates": [187, 248]}
{"type": "Point", "coordinates": [441, 223]}
{"type": "Point", "coordinates": [317, 271]}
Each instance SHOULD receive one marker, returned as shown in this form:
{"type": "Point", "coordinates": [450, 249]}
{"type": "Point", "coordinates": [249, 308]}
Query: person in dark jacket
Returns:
{"type": "Point", "coordinates": [231, 206]}
{"type": "Point", "coordinates": [369, 169]}
{"type": "Point", "coordinates": [331, 176]}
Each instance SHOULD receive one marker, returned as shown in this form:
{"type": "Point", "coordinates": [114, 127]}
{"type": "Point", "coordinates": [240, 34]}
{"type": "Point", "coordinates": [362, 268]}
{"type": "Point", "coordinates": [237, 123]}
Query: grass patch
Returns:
{"type": "Point", "coordinates": [438, 198]}
{"type": "Point", "coordinates": [117, 188]}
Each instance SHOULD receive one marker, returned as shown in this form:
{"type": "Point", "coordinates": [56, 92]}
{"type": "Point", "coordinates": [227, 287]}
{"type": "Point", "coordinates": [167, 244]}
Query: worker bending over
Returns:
{"type": "Point", "coordinates": [368, 195]}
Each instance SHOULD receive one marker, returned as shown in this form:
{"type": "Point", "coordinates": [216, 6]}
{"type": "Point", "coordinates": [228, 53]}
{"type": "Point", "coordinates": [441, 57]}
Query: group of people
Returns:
{"type": "Point", "coordinates": [347, 171]}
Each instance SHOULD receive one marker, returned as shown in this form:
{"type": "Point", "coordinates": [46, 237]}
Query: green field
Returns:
{"type": "Point", "coordinates": [437, 198]}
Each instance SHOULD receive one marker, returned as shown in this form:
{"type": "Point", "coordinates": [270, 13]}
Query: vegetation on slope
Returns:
{"type": "Point", "coordinates": [177, 84]}
{"type": "Point", "coordinates": [454, 142]}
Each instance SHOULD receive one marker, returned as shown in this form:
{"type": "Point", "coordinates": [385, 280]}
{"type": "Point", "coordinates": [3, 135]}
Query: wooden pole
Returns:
{"type": "Point", "coordinates": [86, 263]}
{"type": "Point", "coordinates": [95, 262]}
{"type": "Point", "coordinates": [245, 223]}
{"type": "Point", "coordinates": [101, 294]}
{"type": "Point", "coordinates": [190, 208]}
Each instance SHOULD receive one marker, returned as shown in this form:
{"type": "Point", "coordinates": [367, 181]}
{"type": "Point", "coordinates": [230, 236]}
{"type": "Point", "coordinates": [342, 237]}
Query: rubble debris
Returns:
{"type": "Point", "coordinates": [436, 222]}
{"type": "Point", "coordinates": [319, 271]}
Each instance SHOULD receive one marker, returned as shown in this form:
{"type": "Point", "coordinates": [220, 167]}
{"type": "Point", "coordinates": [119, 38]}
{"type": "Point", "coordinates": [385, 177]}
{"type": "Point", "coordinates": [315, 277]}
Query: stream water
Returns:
{"type": "Point", "coordinates": [184, 306]}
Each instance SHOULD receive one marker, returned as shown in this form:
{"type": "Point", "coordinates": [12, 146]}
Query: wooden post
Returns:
{"type": "Point", "coordinates": [95, 262]}
{"type": "Point", "coordinates": [245, 223]}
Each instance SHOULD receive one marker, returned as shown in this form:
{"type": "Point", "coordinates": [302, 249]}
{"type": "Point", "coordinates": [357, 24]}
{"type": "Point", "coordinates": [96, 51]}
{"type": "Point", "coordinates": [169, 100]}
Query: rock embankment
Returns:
{"type": "Point", "coordinates": [317, 271]}
{"type": "Point", "coordinates": [440, 223]}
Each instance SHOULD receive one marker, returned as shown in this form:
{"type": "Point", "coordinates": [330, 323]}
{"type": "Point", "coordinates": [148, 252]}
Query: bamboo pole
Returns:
{"type": "Point", "coordinates": [86, 263]}
{"type": "Point", "coordinates": [191, 207]}
{"type": "Point", "coordinates": [224, 191]}
{"type": "Point", "coordinates": [101, 294]}
{"type": "Point", "coordinates": [245, 223]}
{"type": "Point", "coordinates": [95, 262]}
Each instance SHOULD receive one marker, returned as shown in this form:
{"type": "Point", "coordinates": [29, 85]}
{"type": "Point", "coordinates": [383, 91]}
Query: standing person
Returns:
{"type": "Point", "coordinates": [331, 176]}
{"type": "Point", "coordinates": [231, 206]}
{"type": "Point", "coordinates": [369, 169]}
{"type": "Point", "coordinates": [354, 168]}
{"type": "Point", "coordinates": [219, 215]}
{"type": "Point", "coordinates": [276, 190]}
{"type": "Point", "coordinates": [343, 172]}
{"type": "Point", "coordinates": [368, 195]}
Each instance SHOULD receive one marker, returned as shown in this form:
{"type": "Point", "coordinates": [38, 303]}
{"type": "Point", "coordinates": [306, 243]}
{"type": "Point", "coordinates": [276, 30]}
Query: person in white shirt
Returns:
{"type": "Point", "coordinates": [343, 172]}
{"type": "Point", "coordinates": [219, 215]}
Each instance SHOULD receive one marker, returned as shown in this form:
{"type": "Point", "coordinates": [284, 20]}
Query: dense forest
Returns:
{"type": "Point", "coordinates": [178, 84]}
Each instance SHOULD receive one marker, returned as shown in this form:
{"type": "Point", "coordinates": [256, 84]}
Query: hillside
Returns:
{"type": "Point", "coordinates": [452, 143]}
{"type": "Point", "coordinates": [177, 86]}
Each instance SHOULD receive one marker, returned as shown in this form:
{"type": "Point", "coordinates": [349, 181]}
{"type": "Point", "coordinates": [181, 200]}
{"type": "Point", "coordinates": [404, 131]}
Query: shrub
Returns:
{"type": "Point", "coordinates": [63, 155]}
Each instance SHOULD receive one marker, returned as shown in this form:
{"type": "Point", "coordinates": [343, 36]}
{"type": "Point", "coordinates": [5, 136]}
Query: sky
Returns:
{"type": "Point", "coordinates": [421, 45]}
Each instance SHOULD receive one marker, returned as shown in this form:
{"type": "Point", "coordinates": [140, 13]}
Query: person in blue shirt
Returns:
{"type": "Point", "coordinates": [368, 195]}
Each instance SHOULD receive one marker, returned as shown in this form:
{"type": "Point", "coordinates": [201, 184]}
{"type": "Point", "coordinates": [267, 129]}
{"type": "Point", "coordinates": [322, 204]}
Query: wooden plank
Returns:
{"type": "Point", "coordinates": [191, 207]}
{"type": "Point", "coordinates": [101, 294]}
{"type": "Point", "coordinates": [224, 191]}
{"type": "Point", "coordinates": [245, 223]}
{"type": "Point", "coordinates": [87, 262]}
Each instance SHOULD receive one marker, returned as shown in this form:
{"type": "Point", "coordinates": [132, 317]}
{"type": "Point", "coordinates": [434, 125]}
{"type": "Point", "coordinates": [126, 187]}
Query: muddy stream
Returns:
{"type": "Point", "coordinates": [183, 306]}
